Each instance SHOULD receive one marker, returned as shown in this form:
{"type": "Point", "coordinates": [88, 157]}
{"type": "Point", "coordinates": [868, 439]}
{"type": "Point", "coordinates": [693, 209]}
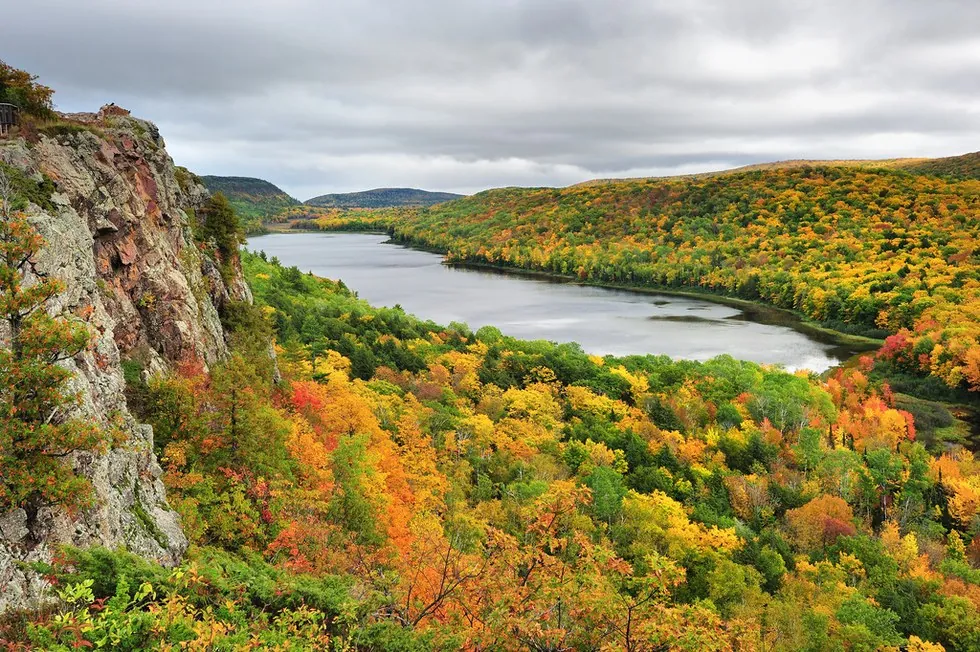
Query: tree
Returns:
{"type": "Point", "coordinates": [36, 437]}
{"type": "Point", "coordinates": [253, 434]}
{"type": "Point", "coordinates": [21, 88]}
{"type": "Point", "coordinates": [351, 506]}
{"type": "Point", "coordinates": [821, 521]}
{"type": "Point", "coordinates": [221, 225]}
{"type": "Point", "coordinates": [608, 491]}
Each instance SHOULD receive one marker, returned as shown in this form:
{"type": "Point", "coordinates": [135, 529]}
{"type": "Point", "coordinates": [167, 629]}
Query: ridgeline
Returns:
{"type": "Point", "coordinates": [876, 251]}
{"type": "Point", "coordinates": [382, 198]}
{"type": "Point", "coordinates": [255, 200]}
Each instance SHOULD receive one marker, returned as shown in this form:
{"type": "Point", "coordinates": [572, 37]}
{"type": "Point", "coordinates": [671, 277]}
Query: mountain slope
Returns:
{"type": "Point", "coordinates": [255, 200]}
{"type": "Point", "coordinates": [865, 250]}
{"type": "Point", "coordinates": [966, 166]}
{"type": "Point", "coordinates": [383, 198]}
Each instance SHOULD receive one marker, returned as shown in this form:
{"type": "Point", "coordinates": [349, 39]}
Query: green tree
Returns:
{"type": "Point", "coordinates": [36, 436]}
{"type": "Point", "coordinates": [221, 225]}
{"type": "Point", "coordinates": [808, 452]}
{"type": "Point", "coordinates": [608, 491]}
{"type": "Point", "coordinates": [867, 626]}
{"type": "Point", "coordinates": [350, 506]}
{"type": "Point", "coordinates": [255, 433]}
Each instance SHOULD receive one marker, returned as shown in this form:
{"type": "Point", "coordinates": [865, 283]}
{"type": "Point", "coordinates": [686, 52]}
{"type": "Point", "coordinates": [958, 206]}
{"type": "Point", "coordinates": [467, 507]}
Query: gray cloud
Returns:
{"type": "Point", "coordinates": [467, 94]}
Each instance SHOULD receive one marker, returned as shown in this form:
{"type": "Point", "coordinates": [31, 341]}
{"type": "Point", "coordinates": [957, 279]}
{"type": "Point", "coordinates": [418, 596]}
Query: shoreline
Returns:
{"type": "Point", "coordinates": [850, 346]}
{"type": "Point", "coordinates": [763, 311]}
{"type": "Point", "coordinates": [756, 310]}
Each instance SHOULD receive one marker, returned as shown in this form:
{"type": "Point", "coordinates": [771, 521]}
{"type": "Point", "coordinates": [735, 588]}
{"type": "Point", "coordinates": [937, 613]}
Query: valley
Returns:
{"type": "Point", "coordinates": [722, 411]}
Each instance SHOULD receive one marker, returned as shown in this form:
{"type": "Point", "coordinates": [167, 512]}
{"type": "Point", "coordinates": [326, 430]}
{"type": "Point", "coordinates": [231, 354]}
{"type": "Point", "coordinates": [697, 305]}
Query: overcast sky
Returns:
{"type": "Point", "coordinates": [461, 95]}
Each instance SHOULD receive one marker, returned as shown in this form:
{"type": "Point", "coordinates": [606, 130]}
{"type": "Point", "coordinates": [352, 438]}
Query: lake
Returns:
{"type": "Point", "coordinates": [603, 321]}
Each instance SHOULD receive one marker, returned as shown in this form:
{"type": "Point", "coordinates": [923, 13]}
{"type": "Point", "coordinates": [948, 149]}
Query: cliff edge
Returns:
{"type": "Point", "coordinates": [118, 232]}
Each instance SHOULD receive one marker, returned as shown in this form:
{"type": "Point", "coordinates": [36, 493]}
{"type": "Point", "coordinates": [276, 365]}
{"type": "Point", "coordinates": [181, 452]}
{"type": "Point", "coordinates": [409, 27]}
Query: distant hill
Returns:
{"type": "Point", "coordinates": [255, 200]}
{"type": "Point", "coordinates": [966, 166]}
{"type": "Point", "coordinates": [383, 198]}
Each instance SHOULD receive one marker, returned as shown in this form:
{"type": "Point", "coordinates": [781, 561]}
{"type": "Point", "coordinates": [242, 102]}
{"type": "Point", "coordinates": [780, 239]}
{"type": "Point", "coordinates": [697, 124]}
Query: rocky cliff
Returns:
{"type": "Point", "coordinates": [118, 233]}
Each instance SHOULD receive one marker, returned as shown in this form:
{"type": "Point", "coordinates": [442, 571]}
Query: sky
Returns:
{"type": "Point", "coordinates": [462, 95]}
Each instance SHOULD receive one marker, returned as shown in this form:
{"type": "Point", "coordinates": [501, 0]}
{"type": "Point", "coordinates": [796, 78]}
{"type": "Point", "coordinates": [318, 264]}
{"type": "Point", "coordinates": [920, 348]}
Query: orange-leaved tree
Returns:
{"type": "Point", "coordinates": [21, 88]}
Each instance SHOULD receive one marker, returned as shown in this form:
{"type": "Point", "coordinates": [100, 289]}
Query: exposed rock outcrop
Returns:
{"type": "Point", "coordinates": [120, 239]}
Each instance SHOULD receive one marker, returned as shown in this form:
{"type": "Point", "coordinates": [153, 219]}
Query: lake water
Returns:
{"type": "Point", "coordinates": [603, 321]}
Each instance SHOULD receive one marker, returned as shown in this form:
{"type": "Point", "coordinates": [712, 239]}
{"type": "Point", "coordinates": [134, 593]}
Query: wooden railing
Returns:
{"type": "Point", "coordinates": [8, 117]}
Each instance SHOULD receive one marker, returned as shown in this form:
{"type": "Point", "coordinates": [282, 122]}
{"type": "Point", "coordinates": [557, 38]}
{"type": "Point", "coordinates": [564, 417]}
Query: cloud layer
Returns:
{"type": "Point", "coordinates": [461, 95]}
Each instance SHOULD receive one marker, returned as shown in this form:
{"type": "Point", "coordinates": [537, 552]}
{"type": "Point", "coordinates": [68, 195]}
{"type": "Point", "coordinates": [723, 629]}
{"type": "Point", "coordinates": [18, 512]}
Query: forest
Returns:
{"type": "Point", "coordinates": [882, 252]}
{"type": "Point", "coordinates": [354, 478]}
{"type": "Point", "coordinates": [252, 199]}
{"type": "Point", "coordinates": [381, 198]}
{"type": "Point", "coordinates": [389, 483]}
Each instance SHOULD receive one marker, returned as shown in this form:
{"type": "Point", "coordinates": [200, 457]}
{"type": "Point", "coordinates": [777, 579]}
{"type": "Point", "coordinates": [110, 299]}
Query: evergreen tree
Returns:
{"type": "Point", "coordinates": [36, 438]}
{"type": "Point", "coordinates": [221, 225]}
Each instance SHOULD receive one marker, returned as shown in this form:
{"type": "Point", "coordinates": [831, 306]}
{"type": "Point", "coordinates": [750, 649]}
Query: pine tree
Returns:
{"type": "Point", "coordinates": [221, 224]}
{"type": "Point", "coordinates": [36, 434]}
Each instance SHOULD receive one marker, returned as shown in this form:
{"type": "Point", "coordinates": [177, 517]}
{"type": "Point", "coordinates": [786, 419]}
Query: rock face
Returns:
{"type": "Point", "coordinates": [120, 239]}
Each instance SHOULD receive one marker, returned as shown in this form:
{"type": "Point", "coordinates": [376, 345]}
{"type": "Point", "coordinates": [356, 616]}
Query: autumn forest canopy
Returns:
{"type": "Point", "coordinates": [887, 252]}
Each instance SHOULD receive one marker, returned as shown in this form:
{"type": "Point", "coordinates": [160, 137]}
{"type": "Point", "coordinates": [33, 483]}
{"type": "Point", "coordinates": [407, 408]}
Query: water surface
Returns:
{"type": "Point", "coordinates": [603, 321]}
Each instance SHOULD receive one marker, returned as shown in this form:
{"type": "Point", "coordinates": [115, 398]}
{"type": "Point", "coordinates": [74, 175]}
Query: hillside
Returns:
{"type": "Point", "coordinates": [966, 166]}
{"type": "Point", "coordinates": [383, 198]}
{"type": "Point", "coordinates": [873, 251]}
{"type": "Point", "coordinates": [256, 201]}
{"type": "Point", "coordinates": [402, 473]}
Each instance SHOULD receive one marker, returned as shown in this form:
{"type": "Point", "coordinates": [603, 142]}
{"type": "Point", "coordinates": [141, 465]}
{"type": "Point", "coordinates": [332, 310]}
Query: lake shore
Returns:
{"type": "Point", "coordinates": [626, 321]}
{"type": "Point", "coordinates": [754, 310]}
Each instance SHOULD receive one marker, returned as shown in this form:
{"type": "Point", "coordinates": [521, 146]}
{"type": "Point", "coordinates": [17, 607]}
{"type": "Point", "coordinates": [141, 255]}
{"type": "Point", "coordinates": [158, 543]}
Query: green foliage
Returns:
{"type": "Point", "coordinates": [63, 131]}
{"type": "Point", "coordinates": [219, 223]}
{"type": "Point", "coordinates": [115, 600]}
{"type": "Point", "coordinates": [350, 506]}
{"type": "Point", "coordinates": [35, 438]}
{"type": "Point", "coordinates": [250, 332]}
{"type": "Point", "coordinates": [255, 201]}
{"type": "Point", "coordinates": [185, 178]}
{"type": "Point", "coordinates": [608, 490]}
{"type": "Point", "coordinates": [953, 621]}
{"type": "Point", "coordinates": [966, 166]}
{"type": "Point", "coordinates": [24, 190]}
{"type": "Point", "coordinates": [868, 627]}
